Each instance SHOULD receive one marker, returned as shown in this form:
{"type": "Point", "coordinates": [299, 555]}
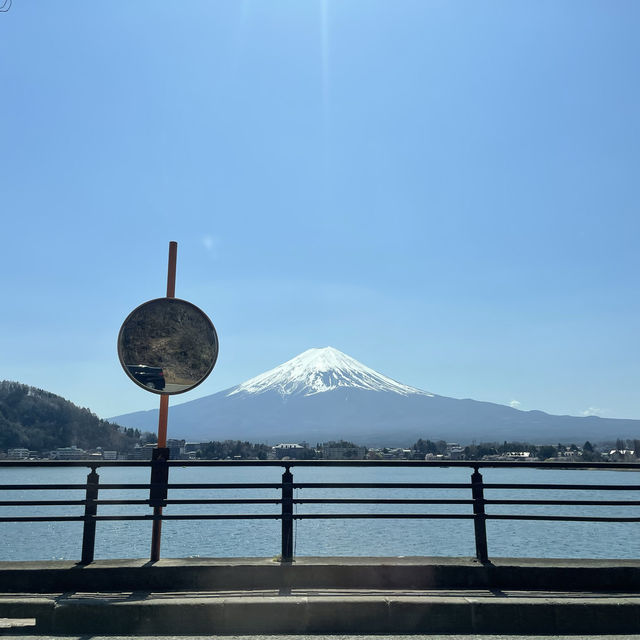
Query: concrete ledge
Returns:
{"type": "Point", "coordinates": [347, 573]}
{"type": "Point", "coordinates": [325, 595]}
{"type": "Point", "coordinates": [183, 615]}
{"type": "Point", "coordinates": [438, 615]}
{"type": "Point", "coordinates": [15, 607]}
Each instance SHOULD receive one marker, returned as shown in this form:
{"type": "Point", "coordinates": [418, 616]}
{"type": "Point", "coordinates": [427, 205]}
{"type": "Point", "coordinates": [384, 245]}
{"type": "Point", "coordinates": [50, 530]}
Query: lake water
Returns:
{"type": "Point", "coordinates": [351, 537]}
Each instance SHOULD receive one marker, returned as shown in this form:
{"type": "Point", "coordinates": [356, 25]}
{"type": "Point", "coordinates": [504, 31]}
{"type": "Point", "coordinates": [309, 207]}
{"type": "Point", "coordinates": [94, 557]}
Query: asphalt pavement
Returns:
{"type": "Point", "coordinates": [325, 637]}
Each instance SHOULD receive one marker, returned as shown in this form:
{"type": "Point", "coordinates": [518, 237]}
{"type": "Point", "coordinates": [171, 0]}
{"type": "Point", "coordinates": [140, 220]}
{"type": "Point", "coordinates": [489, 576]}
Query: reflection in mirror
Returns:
{"type": "Point", "coordinates": [167, 346]}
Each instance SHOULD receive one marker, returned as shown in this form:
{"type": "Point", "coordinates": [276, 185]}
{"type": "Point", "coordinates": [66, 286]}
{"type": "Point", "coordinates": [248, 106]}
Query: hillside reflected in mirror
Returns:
{"type": "Point", "coordinates": [167, 346]}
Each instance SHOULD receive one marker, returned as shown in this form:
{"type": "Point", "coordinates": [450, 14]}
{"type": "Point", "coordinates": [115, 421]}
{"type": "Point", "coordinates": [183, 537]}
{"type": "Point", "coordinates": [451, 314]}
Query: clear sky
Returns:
{"type": "Point", "coordinates": [448, 191]}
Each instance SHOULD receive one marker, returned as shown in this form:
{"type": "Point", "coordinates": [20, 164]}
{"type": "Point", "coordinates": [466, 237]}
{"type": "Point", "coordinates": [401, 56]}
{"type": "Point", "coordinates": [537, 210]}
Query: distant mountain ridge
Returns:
{"type": "Point", "coordinates": [324, 394]}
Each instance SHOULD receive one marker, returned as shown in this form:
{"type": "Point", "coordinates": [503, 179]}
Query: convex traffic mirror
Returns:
{"type": "Point", "coordinates": [167, 346]}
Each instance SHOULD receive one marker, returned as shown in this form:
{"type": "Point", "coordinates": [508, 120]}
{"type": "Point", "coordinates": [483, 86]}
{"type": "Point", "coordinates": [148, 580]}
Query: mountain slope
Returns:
{"type": "Point", "coordinates": [324, 394]}
{"type": "Point", "coordinates": [34, 419]}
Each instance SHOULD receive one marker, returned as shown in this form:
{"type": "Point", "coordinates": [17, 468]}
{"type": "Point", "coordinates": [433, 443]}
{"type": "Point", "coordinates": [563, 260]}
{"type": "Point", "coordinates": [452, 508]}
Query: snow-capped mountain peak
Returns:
{"type": "Point", "coordinates": [319, 370]}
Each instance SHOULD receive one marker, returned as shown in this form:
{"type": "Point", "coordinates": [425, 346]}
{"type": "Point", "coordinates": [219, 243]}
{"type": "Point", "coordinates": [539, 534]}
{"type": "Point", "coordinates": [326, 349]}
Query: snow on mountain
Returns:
{"type": "Point", "coordinates": [319, 370]}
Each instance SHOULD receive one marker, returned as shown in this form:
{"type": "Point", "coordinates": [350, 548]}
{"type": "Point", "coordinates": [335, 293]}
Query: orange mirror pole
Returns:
{"type": "Point", "coordinates": [163, 415]}
{"type": "Point", "coordinates": [171, 293]}
{"type": "Point", "coordinates": [171, 273]}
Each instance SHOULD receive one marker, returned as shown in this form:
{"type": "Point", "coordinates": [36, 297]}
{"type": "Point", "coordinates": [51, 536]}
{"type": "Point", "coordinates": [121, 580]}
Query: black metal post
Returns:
{"type": "Point", "coordinates": [158, 496]}
{"type": "Point", "coordinates": [479, 519]}
{"type": "Point", "coordinates": [287, 516]}
{"type": "Point", "coordinates": [90, 511]}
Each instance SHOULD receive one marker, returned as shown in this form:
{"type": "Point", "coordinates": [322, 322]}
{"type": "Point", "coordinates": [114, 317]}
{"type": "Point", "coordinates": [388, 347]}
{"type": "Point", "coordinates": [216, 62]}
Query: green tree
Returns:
{"type": "Point", "coordinates": [424, 446]}
{"type": "Point", "coordinates": [216, 450]}
{"type": "Point", "coordinates": [36, 419]}
{"type": "Point", "coordinates": [341, 444]}
{"type": "Point", "coordinates": [589, 453]}
{"type": "Point", "coordinates": [547, 451]}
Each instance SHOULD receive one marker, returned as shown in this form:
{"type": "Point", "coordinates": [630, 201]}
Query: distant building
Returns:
{"type": "Point", "coordinates": [288, 451]}
{"type": "Point", "coordinates": [454, 451]}
{"type": "Point", "coordinates": [144, 452]}
{"type": "Point", "coordinates": [192, 447]}
{"type": "Point", "coordinates": [622, 455]}
{"type": "Point", "coordinates": [176, 449]}
{"type": "Point", "coordinates": [344, 453]}
{"type": "Point", "coordinates": [18, 454]}
{"type": "Point", "coordinates": [518, 455]}
{"type": "Point", "coordinates": [69, 453]}
{"type": "Point", "coordinates": [110, 455]}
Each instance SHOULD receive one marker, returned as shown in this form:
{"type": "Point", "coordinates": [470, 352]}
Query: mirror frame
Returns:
{"type": "Point", "coordinates": [170, 300]}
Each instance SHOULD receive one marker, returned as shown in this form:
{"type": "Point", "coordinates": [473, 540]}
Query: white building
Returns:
{"type": "Point", "coordinates": [288, 450]}
{"type": "Point", "coordinates": [18, 454]}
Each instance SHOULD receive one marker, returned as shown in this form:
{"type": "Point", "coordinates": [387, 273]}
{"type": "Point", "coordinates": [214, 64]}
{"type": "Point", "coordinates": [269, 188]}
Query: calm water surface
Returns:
{"type": "Point", "coordinates": [353, 537]}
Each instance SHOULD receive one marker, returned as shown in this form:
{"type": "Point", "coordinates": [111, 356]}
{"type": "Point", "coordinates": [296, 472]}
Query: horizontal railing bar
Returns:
{"type": "Point", "coordinates": [227, 485]}
{"type": "Point", "coordinates": [229, 501]}
{"type": "Point", "coordinates": [458, 516]}
{"type": "Point", "coordinates": [321, 516]}
{"type": "Point", "coordinates": [70, 487]}
{"type": "Point", "coordinates": [43, 519]}
{"type": "Point", "coordinates": [394, 516]}
{"type": "Point", "coordinates": [346, 485]}
{"type": "Point", "coordinates": [204, 516]}
{"type": "Point", "coordinates": [136, 487]}
{"type": "Point", "coordinates": [472, 464]}
{"type": "Point", "coordinates": [123, 502]}
{"type": "Point", "coordinates": [43, 487]}
{"type": "Point", "coordinates": [182, 485]}
{"type": "Point", "coordinates": [375, 501]}
{"type": "Point", "coordinates": [560, 518]}
{"type": "Point", "coordinates": [382, 485]}
{"type": "Point", "coordinates": [41, 503]}
{"type": "Point", "coordinates": [75, 463]}
{"type": "Point", "coordinates": [604, 503]}
{"type": "Point", "coordinates": [325, 485]}
{"type": "Point", "coordinates": [132, 487]}
{"type": "Point", "coordinates": [270, 485]}
{"type": "Point", "coordinates": [222, 516]}
{"type": "Point", "coordinates": [611, 503]}
{"type": "Point", "coordinates": [571, 487]}
{"type": "Point", "coordinates": [220, 501]}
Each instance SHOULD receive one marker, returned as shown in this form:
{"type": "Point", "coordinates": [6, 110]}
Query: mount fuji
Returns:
{"type": "Point", "coordinates": [318, 371]}
{"type": "Point", "coordinates": [324, 394]}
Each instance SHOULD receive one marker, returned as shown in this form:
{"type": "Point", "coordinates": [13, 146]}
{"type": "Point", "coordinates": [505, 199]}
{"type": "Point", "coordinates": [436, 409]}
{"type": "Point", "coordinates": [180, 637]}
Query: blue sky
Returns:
{"type": "Point", "coordinates": [446, 191]}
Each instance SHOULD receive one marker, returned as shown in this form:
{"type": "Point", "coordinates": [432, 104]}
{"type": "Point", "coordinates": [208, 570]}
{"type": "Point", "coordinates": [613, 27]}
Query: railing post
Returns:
{"type": "Point", "coordinates": [158, 496]}
{"type": "Point", "coordinates": [90, 511]}
{"type": "Point", "coordinates": [287, 516]}
{"type": "Point", "coordinates": [479, 519]}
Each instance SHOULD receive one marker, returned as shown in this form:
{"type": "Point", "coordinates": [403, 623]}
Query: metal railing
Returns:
{"type": "Point", "coordinates": [160, 486]}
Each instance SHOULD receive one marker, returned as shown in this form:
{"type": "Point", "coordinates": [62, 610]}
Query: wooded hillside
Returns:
{"type": "Point", "coordinates": [41, 421]}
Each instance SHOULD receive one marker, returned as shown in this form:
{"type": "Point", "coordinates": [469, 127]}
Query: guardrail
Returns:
{"type": "Point", "coordinates": [159, 488]}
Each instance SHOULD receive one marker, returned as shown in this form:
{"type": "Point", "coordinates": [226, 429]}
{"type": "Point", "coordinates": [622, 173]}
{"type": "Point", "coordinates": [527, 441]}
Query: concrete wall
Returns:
{"type": "Point", "coordinates": [333, 573]}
